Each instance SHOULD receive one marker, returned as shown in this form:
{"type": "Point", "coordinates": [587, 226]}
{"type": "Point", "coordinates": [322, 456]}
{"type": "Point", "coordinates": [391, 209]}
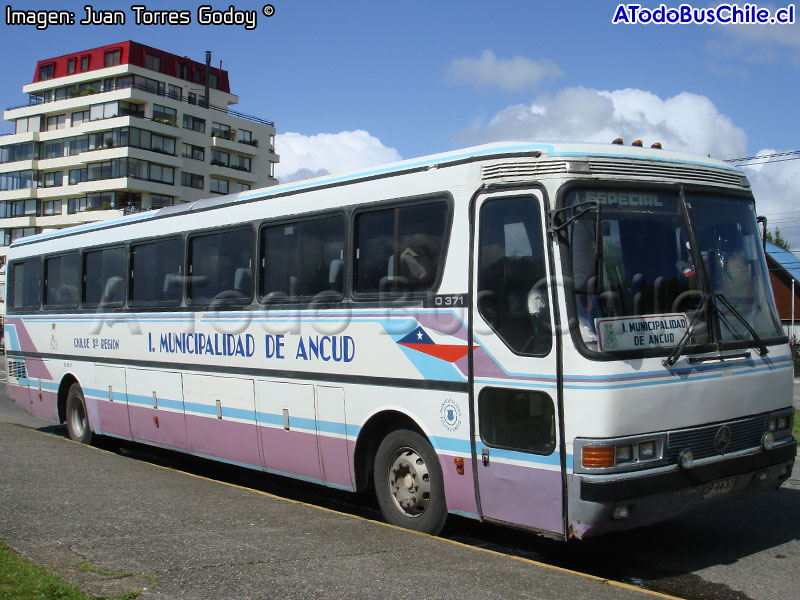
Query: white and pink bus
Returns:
{"type": "Point", "coordinates": [571, 339]}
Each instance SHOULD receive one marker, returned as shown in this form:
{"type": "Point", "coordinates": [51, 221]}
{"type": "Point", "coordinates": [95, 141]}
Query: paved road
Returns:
{"type": "Point", "coordinates": [117, 525]}
{"type": "Point", "coordinates": [174, 535]}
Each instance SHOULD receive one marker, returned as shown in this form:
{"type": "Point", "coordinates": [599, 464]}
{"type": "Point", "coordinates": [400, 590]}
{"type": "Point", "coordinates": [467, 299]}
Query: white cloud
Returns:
{"type": "Point", "coordinates": [777, 195]}
{"type": "Point", "coordinates": [759, 43]}
{"type": "Point", "coordinates": [685, 122]}
{"type": "Point", "coordinates": [304, 156]}
{"type": "Point", "coordinates": [512, 74]}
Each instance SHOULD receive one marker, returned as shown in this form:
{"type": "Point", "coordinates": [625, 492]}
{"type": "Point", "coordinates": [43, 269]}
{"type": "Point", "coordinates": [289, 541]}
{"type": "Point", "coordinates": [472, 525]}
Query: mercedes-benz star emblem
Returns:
{"type": "Point", "coordinates": [722, 439]}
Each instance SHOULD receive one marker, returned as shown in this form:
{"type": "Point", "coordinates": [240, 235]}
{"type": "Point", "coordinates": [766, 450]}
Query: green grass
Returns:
{"type": "Point", "coordinates": [20, 580]}
{"type": "Point", "coordinates": [796, 425]}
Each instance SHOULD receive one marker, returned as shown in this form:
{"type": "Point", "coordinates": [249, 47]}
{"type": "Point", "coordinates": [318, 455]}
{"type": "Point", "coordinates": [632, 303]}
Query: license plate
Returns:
{"type": "Point", "coordinates": [718, 488]}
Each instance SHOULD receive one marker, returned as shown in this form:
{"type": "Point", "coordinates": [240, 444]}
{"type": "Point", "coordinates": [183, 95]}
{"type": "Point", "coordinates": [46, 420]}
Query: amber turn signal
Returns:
{"type": "Point", "coordinates": [597, 457]}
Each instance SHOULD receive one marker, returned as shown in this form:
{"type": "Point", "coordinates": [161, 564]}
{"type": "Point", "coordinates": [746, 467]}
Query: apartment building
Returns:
{"type": "Point", "coordinates": [120, 129]}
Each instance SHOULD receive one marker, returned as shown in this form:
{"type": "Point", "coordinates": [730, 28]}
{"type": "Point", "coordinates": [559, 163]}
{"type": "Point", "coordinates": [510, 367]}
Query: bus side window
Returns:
{"type": "Point", "coordinates": [512, 280]}
{"type": "Point", "coordinates": [104, 276]}
{"type": "Point", "coordinates": [517, 420]}
{"type": "Point", "coordinates": [217, 262]}
{"type": "Point", "coordinates": [62, 281]}
{"type": "Point", "coordinates": [399, 250]}
{"type": "Point", "coordinates": [25, 286]}
{"type": "Point", "coordinates": [302, 259]}
{"type": "Point", "coordinates": [156, 272]}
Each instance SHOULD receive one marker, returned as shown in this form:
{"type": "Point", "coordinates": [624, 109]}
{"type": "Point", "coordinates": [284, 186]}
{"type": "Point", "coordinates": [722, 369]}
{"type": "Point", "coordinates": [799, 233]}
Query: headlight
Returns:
{"type": "Point", "coordinates": [780, 423]}
{"type": "Point", "coordinates": [616, 454]}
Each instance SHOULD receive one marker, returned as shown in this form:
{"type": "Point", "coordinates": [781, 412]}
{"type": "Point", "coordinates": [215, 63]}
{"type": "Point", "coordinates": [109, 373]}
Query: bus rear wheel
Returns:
{"type": "Point", "coordinates": [77, 419]}
{"type": "Point", "coordinates": [409, 483]}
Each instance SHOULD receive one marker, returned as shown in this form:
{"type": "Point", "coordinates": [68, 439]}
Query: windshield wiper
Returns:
{"type": "Point", "coordinates": [678, 349]}
{"type": "Point", "coordinates": [762, 347]}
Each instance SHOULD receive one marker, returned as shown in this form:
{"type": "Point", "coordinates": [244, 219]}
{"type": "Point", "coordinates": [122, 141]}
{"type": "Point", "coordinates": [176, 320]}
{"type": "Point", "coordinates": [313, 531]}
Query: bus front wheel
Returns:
{"type": "Point", "coordinates": [409, 483]}
{"type": "Point", "coordinates": [77, 419]}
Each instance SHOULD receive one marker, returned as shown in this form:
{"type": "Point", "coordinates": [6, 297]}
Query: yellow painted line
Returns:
{"type": "Point", "coordinates": [611, 582]}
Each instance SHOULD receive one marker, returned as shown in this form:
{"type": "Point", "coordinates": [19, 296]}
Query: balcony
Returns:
{"type": "Point", "coordinates": [35, 100]}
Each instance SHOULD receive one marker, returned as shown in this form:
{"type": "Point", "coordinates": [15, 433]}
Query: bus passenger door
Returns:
{"type": "Point", "coordinates": [514, 365]}
{"type": "Point", "coordinates": [155, 407]}
{"type": "Point", "coordinates": [110, 397]}
{"type": "Point", "coordinates": [287, 427]}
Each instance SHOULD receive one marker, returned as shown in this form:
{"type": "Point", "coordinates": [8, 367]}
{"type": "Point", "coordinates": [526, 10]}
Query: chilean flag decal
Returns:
{"type": "Point", "coordinates": [421, 342]}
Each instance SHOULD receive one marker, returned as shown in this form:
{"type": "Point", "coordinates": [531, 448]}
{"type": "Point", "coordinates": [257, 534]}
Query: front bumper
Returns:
{"type": "Point", "coordinates": [656, 497]}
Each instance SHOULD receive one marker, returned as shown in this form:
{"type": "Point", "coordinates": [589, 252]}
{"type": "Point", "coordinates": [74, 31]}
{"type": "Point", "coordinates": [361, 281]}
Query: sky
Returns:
{"type": "Point", "coordinates": [354, 83]}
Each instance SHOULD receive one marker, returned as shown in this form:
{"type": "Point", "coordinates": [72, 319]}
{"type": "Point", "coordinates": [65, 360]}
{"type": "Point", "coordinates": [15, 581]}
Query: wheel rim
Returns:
{"type": "Point", "coordinates": [77, 419]}
{"type": "Point", "coordinates": [409, 482]}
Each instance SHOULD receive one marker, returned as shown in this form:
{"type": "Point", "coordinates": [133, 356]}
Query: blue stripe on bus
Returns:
{"type": "Point", "coordinates": [13, 340]}
{"type": "Point", "coordinates": [447, 444]}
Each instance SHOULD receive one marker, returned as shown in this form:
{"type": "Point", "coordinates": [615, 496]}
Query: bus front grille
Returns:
{"type": "Point", "coordinates": [744, 434]}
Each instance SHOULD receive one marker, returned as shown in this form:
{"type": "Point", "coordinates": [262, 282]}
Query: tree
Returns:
{"type": "Point", "coordinates": [777, 239]}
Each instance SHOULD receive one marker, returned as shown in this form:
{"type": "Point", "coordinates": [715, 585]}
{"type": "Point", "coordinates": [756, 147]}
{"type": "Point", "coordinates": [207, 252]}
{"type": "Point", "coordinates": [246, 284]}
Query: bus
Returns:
{"type": "Point", "coordinates": [571, 339]}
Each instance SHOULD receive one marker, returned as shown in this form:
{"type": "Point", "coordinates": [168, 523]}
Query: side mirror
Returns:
{"type": "Point", "coordinates": [763, 222]}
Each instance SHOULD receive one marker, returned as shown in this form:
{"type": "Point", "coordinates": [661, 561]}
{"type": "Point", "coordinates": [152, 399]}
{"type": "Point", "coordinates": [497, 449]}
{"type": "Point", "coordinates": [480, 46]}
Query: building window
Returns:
{"type": "Point", "coordinates": [183, 71]}
{"type": "Point", "coordinates": [51, 207]}
{"type": "Point", "coordinates": [77, 176]}
{"type": "Point", "coordinates": [17, 152]}
{"type": "Point", "coordinates": [160, 201]}
{"type": "Point", "coordinates": [190, 122]}
{"type": "Point", "coordinates": [27, 124]}
{"type": "Point", "coordinates": [85, 63]}
{"type": "Point", "coordinates": [241, 163]}
{"type": "Point", "coordinates": [218, 186]}
{"type": "Point", "coordinates": [17, 180]}
{"type": "Point", "coordinates": [238, 186]}
{"type": "Point", "coordinates": [165, 115]}
{"type": "Point", "coordinates": [46, 72]}
{"type": "Point", "coordinates": [220, 159]}
{"type": "Point", "coordinates": [245, 136]}
{"type": "Point", "coordinates": [78, 118]}
{"type": "Point", "coordinates": [103, 111]}
{"type": "Point", "coordinates": [195, 152]}
{"type": "Point", "coordinates": [192, 180]}
{"type": "Point", "coordinates": [213, 80]}
{"type": "Point", "coordinates": [220, 130]}
{"type": "Point", "coordinates": [160, 143]}
{"type": "Point", "coordinates": [71, 65]}
{"type": "Point", "coordinates": [162, 174]}
{"type": "Point", "coordinates": [192, 98]}
{"type": "Point", "coordinates": [152, 62]}
{"type": "Point", "coordinates": [56, 122]}
{"type": "Point", "coordinates": [22, 232]}
{"type": "Point", "coordinates": [174, 91]}
{"type": "Point", "coordinates": [53, 179]}
{"type": "Point", "coordinates": [112, 58]}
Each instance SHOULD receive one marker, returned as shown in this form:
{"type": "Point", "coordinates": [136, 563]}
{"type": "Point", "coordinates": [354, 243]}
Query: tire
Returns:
{"type": "Point", "coordinates": [77, 418]}
{"type": "Point", "coordinates": [409, 483]}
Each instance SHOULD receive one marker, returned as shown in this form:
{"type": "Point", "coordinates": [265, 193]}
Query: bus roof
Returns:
{"type": "Point", "coordinates": [494, 150]}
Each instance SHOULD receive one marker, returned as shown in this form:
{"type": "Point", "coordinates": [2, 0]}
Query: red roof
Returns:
{"type": "Point", "coordinates": [132, 53]}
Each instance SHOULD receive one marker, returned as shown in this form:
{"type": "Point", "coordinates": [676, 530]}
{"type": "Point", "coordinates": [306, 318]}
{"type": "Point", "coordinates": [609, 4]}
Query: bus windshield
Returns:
{"type": "Point", "coordinates": [646, 285]}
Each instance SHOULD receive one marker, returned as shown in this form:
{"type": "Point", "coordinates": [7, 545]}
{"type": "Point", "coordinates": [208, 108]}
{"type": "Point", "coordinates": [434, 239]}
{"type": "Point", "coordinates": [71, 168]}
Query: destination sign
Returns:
{"type": "Point", "coordinates": [627, 199]}
{"type": "Point", "coordinates": [640, 332]}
